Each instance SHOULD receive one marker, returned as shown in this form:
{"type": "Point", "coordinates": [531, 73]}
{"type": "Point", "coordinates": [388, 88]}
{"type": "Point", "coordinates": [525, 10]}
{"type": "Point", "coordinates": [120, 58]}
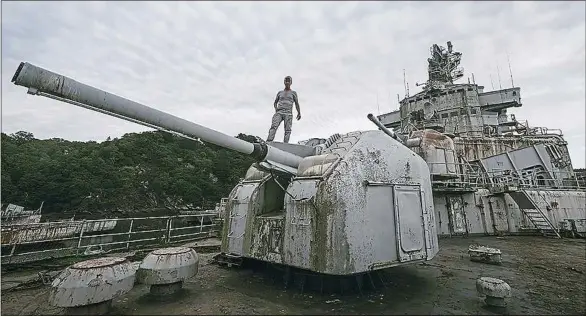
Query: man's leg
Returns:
{"type": "Point", "coordinates": [288, 123]}
{"type": "Point", "coordinates": [275, 123]}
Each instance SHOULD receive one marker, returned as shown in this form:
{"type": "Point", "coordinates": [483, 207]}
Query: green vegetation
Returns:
{"type": "Point", "coordinates": [137, 172]}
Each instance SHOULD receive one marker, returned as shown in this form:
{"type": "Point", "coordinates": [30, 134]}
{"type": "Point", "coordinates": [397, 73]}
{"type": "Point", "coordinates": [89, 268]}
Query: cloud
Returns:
{"type": "Point", "coordinates": [220, 64]}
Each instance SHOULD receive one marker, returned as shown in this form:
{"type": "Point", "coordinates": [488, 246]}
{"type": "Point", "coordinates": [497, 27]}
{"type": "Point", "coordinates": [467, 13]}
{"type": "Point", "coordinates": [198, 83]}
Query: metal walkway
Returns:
{"type": "Point", "coordinates": [530, 208]}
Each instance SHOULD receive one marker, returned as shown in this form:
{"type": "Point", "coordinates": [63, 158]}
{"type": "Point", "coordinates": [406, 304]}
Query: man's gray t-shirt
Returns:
{"type": "Point", "coordinates": [285, 101]}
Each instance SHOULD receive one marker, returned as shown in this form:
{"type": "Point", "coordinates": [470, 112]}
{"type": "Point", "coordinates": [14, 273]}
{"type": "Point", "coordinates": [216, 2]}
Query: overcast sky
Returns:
{"type": "Point", "coordinates": [221, 64]}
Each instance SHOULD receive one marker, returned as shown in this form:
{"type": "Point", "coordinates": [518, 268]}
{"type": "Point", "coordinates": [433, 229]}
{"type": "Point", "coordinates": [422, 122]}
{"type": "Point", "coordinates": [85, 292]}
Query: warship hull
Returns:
{"type": "Point", "coordinates": [484, 213]}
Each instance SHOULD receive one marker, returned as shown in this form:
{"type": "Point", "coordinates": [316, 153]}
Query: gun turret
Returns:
{"type": "Point", "coordinates": [45, 83]}
{"type": "Point", "coordinates": [347, 176]}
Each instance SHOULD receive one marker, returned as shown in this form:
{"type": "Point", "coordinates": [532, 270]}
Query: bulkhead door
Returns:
{"type": "Point", "coordinates": [457, 215]}
{"type": "Point", "coordinates": [410, 216]}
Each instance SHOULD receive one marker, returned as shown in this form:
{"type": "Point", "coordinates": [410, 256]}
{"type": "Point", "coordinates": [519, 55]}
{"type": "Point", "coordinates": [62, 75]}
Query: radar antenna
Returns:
{"type": "Point", "coordinates": [498, 73]}
{"type": "Point", "coordinates": [404, 83]}
{"type": "Point", "coordinates": [443, 67]}
{"type": "Point", "coordinates": [510, 71]}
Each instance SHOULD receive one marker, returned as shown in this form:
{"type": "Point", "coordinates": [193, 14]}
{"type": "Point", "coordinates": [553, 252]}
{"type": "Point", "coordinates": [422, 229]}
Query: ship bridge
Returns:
{"type": "Point", "coordinates": [484, 138]}
{"type": "Point", "coordinates": [457, 109]}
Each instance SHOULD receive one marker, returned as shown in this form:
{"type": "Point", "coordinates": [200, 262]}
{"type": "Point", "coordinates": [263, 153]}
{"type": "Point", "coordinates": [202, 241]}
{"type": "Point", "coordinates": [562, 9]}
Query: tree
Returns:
{"type": "Point", "coordinates": [138, 171]}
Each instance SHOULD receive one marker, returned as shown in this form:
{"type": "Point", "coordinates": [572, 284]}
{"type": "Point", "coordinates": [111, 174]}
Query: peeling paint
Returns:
{"type": "Point", "coordinates": [92, 281]}
{"type": "Point", "coordinates": [52, 230]}
{"type": "Point", "coordinates": [336, 217]}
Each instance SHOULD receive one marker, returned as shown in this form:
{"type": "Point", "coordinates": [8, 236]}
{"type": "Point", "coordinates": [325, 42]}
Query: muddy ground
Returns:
{"type": "Point", "coordinates": [547, 277]}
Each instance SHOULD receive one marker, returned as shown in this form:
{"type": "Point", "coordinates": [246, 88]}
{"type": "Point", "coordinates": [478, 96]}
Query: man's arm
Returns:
{"type": "Point", "coordinates": [297, 106]}
{"type": "Point", "coordinates": [276, 101]}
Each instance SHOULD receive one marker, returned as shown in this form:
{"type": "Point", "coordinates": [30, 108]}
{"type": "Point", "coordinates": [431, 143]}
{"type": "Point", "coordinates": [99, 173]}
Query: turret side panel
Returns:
{"type": "Point", "coordinates": [237, 215]}
{"type": "Point", "coordinates": [304, 243]}
{"type": "Point", "coordinates": [377, 161]}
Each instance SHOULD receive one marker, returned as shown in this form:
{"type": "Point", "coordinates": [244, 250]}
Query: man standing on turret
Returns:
{"type": "Point", "coordinates": [284, 111]}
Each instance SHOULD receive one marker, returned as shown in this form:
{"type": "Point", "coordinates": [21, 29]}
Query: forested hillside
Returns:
{"type": "Point", "coordinates": [137, 172]}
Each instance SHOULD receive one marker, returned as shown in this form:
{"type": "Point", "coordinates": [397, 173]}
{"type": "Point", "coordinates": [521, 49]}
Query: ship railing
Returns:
{"type": "Point", "coordinates": [530, 130]}
{"type": "Point", "coordinates": [26, 243]}
{"type": "Point", "coordinates": [456, 129]}
{"type": "Point", "coordinates": [465, 175]}
{"type": "Point", "coordinates": [544, 131]}
{"type": "Point", "coordinates": [537, 179]}
{"type": "Point", "coordinates": [457, 175]}
{"type": "Point", "coordinates": [465, 130]}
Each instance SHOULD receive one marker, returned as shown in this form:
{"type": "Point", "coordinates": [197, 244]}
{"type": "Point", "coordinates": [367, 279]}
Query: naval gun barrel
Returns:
{"type": "Point", "coordinates": [374, 120]}
{"type": "Point", "coordinates": [45, 83]}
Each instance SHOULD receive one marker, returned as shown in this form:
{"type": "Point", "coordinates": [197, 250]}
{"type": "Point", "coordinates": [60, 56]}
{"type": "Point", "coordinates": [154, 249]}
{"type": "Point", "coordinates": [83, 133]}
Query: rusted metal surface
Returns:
{"type": "Point", "coordinates": [437, 150]}
{"type": "Point", "coordinates": [363, 180]}
{"type": "Point", "coordinates": [129, 233]}
{"type": "Point", "coordinates": [457, 215]}
{"type": "Point", "coordinates": [17, 215]}
{"type": "Point", "coordinates": [493, 153]}
{"type": "Point", "coordinates": [13, 210]}
{"type": "Point", "coordinates": [25, 220]}
{"type": "Point", "coordinates": [91, 282]}
{"type": "Point", "coordinates": [167, 266]}
{"type": "Point", "coordinates": [52, 230]}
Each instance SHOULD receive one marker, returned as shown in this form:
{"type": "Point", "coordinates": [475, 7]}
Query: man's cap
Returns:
{"type": "Point", "coordinates": [288, 77]}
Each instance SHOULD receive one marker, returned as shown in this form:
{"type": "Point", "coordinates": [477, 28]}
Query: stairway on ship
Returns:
{"type": "Point", "coordinates": [530, 208]}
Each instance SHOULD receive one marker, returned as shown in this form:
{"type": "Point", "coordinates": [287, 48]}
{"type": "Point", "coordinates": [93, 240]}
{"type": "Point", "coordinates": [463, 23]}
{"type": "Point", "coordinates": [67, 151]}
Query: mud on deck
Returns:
{"type": "Point", "coordinates": [547, 276]}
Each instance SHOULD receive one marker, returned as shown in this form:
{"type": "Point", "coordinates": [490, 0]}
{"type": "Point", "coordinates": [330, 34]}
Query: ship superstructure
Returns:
{"type": "Point", "coordinates": [491, 172]}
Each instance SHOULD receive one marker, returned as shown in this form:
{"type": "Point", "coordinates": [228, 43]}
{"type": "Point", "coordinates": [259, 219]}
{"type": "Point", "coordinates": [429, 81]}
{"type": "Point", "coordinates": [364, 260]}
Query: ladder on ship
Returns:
{"type": "Point", "coordinates": [530, 208]}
